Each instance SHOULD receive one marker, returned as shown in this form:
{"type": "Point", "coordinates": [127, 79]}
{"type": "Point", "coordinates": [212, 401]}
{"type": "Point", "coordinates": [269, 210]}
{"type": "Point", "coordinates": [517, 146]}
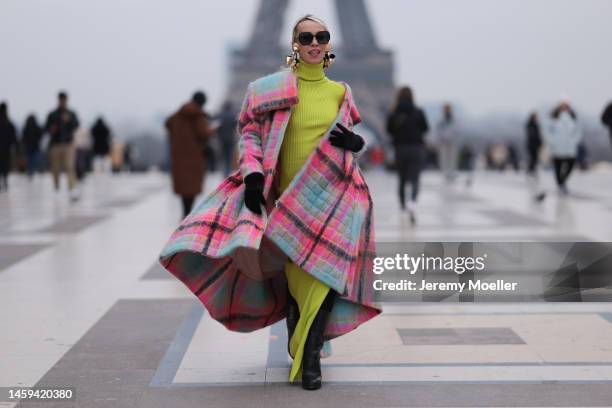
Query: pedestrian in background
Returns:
{"type": "Point", "coordinates": [226, 132]}
{"type": "Point", "coordinates": [563, 137]}
{"type": "Point", "coordinates": [466, 162]}
{"type": "Point", "coordinates": [189, 132]}
{"type": "Point", "coordinates": [8, 142]}
{"type": "Point", "coordinates": [101, 135]}
{"type": "Point", "coordinates": [82, 152]}
{"type": "Point", "coordinates": [513, 156]}
{"type": "Point", "coordinates": [407, 126]}
{"type": "Point", "coordinates": [447, 144]}
{"type": "Point", "coordinates": [606, 118]}
{"type": "Point", "coordinates": [31, 137]}
{"type": "Point", "coordinates": [128, 157]}
{"type": "Point", "coordinates": [61, 125]}
{"type": "Point", "coordinates": [533, 143]}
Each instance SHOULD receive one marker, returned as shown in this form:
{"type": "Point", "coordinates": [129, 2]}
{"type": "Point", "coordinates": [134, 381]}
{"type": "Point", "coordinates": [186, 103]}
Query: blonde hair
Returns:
{"type": "Point", "coordinates": [307, 17]}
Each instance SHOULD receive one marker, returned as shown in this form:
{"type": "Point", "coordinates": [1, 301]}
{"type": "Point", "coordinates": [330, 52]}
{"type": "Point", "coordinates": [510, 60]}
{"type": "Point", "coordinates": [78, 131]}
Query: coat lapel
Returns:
{"type": "Point", "coordinates": [275, 91]}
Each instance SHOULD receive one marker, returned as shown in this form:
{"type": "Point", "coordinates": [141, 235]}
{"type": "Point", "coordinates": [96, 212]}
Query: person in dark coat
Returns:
{"type": "Point", "coordinates": [101, 136]}
{"type": "Point", "coordinates": [407, 126]}
{"type": "Point", "coordinates": [226, 132]}
{"type": "Point", "coordinates": [513, 157]}
{"type": "Point", "coordinates": [606, 118]}
{"type": "Point", "coordinates": [8, 141]}
{"type": "Point", "coordinates": [30, 139]}
{"type": "Point", "coordinates": [61, 125]}
{"type": "Point", "coordinates": [189, 131]}
{"type": "Point", "coordinates": [534, 142]}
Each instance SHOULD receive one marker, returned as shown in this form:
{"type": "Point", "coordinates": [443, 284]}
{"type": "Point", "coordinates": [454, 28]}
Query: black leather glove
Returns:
{"type": "Point", "coordinates": [346, 139]}
{"type": "Point", "coordinates": [253, 192]}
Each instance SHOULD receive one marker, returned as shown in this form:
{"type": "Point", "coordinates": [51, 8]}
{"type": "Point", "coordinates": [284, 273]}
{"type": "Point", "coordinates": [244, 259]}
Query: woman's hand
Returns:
{"type": "Point", "coordinates": [346, 139]}
{"type": "Point", "coordinates": [253, 192]}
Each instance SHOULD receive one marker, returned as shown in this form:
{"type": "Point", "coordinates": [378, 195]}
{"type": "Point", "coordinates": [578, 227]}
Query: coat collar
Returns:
{"type": "Point", "coordinates": [279, 91]}
{"type": "Point", "coordinates": [275, 91]}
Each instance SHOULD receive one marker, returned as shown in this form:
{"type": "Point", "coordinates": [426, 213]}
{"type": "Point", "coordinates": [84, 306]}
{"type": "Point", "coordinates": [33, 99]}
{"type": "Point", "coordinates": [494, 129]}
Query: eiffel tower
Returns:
{"type": "Point", "coordinates": [360, 62]}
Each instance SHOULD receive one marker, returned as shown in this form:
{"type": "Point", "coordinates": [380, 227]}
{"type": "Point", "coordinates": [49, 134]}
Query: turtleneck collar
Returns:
{"type": "Point", "coordinates": [310, 72]}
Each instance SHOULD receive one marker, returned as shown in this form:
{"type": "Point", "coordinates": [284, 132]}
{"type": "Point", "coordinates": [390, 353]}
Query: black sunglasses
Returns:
{"type": "Point", "coordinates": [305, 38]}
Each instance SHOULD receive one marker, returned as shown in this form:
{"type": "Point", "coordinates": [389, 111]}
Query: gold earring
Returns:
{"type": "Point", "coordinates": [292, 60]}
{"type": "Point", "coordinates": [328, 59]}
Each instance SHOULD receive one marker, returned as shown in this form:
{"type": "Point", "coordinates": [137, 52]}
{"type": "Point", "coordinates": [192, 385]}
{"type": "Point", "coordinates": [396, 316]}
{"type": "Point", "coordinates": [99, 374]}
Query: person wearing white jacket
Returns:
{"type": "Point", "coordinates": [563, 136]}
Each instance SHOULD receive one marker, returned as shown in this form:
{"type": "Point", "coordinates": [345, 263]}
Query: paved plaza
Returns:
{"type": "Point", "coordinates": [85, 305]}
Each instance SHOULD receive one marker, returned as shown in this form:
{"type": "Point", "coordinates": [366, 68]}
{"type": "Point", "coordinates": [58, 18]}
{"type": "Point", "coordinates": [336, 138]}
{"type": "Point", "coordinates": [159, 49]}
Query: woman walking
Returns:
{"type": "Point", "coordinates": [563, 138]}
{"type": "Point", "coordinates": [407, 126]}
{"type": "Point", "coordinates": [307, 254]}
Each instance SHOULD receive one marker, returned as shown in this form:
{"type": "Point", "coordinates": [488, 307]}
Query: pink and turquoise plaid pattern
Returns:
{"type": "Point", "coordinates": [322, 222]}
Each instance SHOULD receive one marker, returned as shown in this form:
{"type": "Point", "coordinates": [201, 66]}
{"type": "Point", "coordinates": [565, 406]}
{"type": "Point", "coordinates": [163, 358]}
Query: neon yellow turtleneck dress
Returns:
{"type": "Point", "coordinates": [319, 101]}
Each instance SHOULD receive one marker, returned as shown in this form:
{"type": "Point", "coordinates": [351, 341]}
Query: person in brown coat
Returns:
{"type": "Point", "coordinates": [189, 131]}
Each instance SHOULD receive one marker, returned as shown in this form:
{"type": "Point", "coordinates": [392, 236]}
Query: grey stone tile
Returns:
{"type": "Point", "coordinates": [85, 376]}
{"type": "Point", "coordinates": [156, 272]}
{"type": "Point", "coordinates": [97, 396]}
{"type": "Point", "coordinates": [363, 395]}
{"type": "Point", "coordinates": [218, 397]}
{"type": "Point", "coordinates": [119, 202]}
{"type": "Point", "coordinates": [58, 404]}
{"type": "Point", "coordinates": [511, 218]}
{"type": "Point", "coordinates": [489, 335]}
{"type": "Point", "coordinates": [459, 336]}
{"type": "Point", "coordinates": [114, 362]}
{"type": "Point", "coordinates": [10, 254]}
{"type": "Point", "coordinates": [459, 197]}
{"type": "Point", "coordinates": [580, 195]}
{"type": "Point", "coordinates": [73, 224]}
{"type": "Point", "coordinates": [143, 360]}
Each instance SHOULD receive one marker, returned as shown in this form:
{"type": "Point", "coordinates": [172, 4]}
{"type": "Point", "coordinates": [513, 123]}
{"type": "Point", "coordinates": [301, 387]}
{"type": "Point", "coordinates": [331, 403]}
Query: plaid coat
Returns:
{"type": "Point", "coordinates": [233, 260]}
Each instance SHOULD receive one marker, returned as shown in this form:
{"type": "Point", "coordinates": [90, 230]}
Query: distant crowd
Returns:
{"type": "Point", "coordinates": [61, 145]}
{"type": "Point", "coordinates": [407, 127]}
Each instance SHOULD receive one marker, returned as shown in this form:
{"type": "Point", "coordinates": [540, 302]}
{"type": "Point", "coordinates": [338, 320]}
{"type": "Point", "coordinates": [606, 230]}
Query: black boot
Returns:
{"type": "Point", "coordinates": [293, 315]}
{"type": "Point", "coordinates": [311, 360]}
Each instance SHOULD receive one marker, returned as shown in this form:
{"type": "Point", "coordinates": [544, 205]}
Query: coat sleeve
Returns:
{"type": "Point", "coordinates": [250, 142]}
{"type": "Point", "coordinates": [356, 119]}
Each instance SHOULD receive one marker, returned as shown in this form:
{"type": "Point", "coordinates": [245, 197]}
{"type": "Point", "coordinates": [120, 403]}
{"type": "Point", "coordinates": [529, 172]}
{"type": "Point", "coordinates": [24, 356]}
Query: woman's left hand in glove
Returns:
{"type": "Point", "coordinates": [346, 139]}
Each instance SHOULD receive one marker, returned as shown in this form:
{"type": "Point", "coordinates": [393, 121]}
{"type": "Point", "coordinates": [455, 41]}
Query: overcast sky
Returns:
{"type": "Point", "coordinates": [140, 58]}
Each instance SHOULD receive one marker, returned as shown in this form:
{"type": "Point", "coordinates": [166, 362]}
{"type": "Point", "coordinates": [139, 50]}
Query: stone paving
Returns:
{"type": "Point", "coordinates": [85, 305]}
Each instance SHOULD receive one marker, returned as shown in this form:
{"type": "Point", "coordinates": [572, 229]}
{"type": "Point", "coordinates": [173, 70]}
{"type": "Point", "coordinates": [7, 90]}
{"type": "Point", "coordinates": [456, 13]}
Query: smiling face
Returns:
{"type": "Point", "coordinates": [314, 52]}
